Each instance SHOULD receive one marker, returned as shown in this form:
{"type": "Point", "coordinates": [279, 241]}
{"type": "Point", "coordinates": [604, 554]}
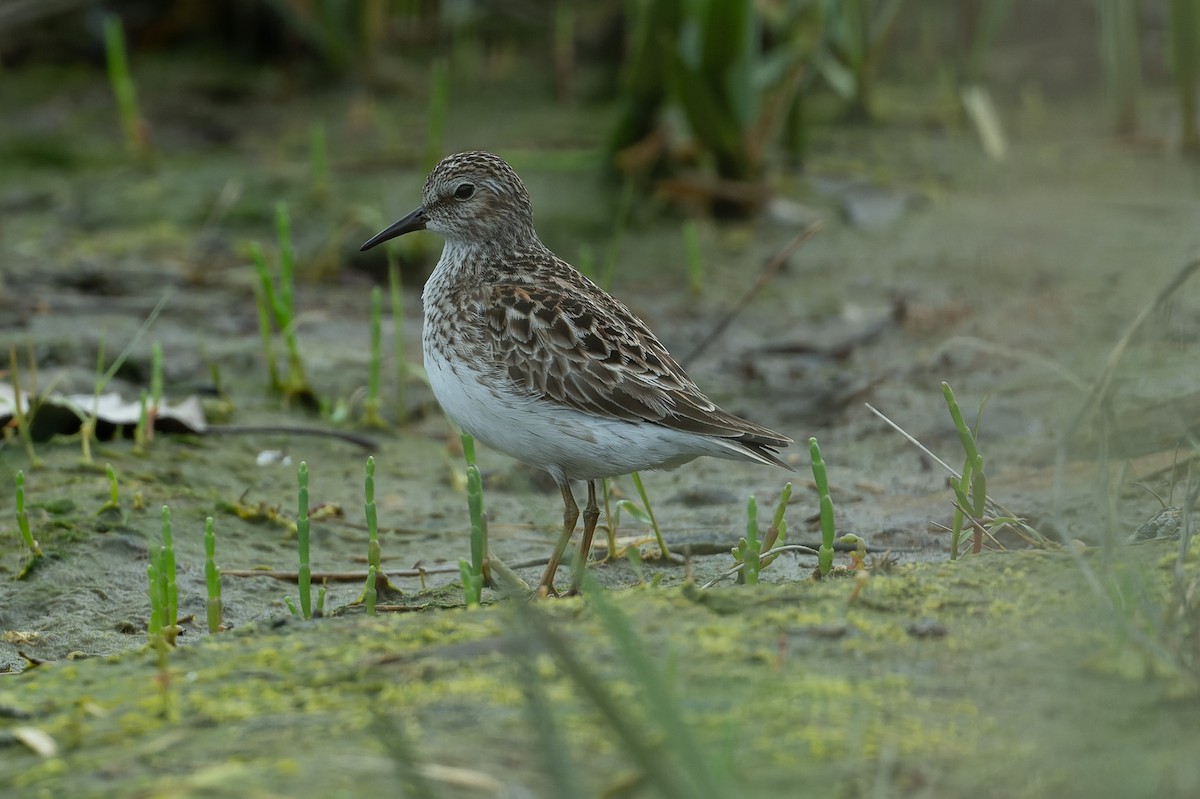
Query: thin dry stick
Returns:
{"type": "Point", "coordinates": [769, 270]}
{"type": "Point", "coordinates": [353, 577]}
{"type": "Point", "coordinates": [363, 442]}
{"type": "Point", "coordinates": [1103, 386]}
{"type": "Point", "coordinates": [1026, 356]}
{"type": "Point", "coordinates": [1102, 392]}
{"type": "Point", "coordinates": [996, 507]}
{"type": "Point", "coordinates": [772, 551]}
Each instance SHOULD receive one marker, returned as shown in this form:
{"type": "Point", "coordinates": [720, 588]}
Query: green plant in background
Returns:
{"type": "Point", "coordinates": [983, 21]}
{"type": "Point", "coordinates": [706, 58]}
{"type": "Point", "coordinates": [318, 160]}
{"type": "Point", "coordinates": [276, 305]}
{"type": "Point", "coordinates": [21, 414]}
{"type": "Point", "coordinates": [970, 490]}
{"type": "Point", "coordinates": [371, 405]}
{"type": "Point", "coordinates": [825, 551]}
{"type": "Point", "coordinates": [473, 573]}
{"type": "Point", "coordinates": [110, 512]}
{"type": "Point", "coordinates": [1120, 49]}
{"type": "Point", "coordinates": [719, 77]}
{"type": "Point", "coordinates": [439, 109]}
{"type": "Point", "coordinates": [156, 380]}
{"type": "Point", "coordinates": [214, 608]}
{"type": "Point", "coordinates": [344, 35]}
{"type": "Point", "coordinates": [35, 549]}
{"type": "Point", "coordinates": [87, 423]}
{"type": "Point", "coordinates": [1183, 30]}
{"type": "Point", "coordinates": [263, 303]}
{"type": "Point", "coordinates": [856, 35]}
{"type": "Point", "coordinates": [140, 439]}
{"type": "Point", "coordinates": [121, 81]}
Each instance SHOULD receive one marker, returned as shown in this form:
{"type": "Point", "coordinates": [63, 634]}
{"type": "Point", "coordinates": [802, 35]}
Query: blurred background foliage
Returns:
{"type": "Point", "coordinates": [709, 97]}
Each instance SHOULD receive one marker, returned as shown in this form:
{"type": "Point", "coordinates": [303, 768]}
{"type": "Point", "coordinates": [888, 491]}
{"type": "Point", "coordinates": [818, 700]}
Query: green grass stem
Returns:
{"type": "Point", "coordinates": [155, 624]}
{"type": "Point", "coordinates": [777, 532]}
{"type": "Point", "coordinates": [779, 520]}
{"type": "Point", "coordinates": [439, 107]}
{"type": "Point", "coordinates": [277, 306]}
{"type": "Point", "coordinates": [124, 90]}
{"type": "Point", "coordinates": [305, 574]}
{"type": "Point", "coordinates": [114, 491]}
{"type": "Point", "coordinates": [167, 578]}
{"type": "Point", "coordinates": [370, 593]}
{"type": "Point", "coordinates": [1120, 47]}
{"type": "Point", "coordinates": [156, 377]}
{"type": "Point", "coordinates": [140, 439]}
{"type": "Point", "coordinates": [20, 413]}
{"type": "Point", "coordinates": [212, 579]}
{"type": "Point", "coordinates": [825, 551]}
{"type": "Point", "coordinates": [970, 490]}
{"type": "Point", "coordinates": [472, 573]}
{"type": "Point", "coordinates": [752, 549]}
{"type": "Point", "coordinates": [34, 547]}
{"type": "Point", "coordinates": [664, 553]}
{"type": "Point", "coordinates": [1183, 30]}
{"type": "Point", "coordinates": [87, 428]}
{"type": "Point", "coordinates": [610, 520]}
{"type": "Point", "coordinates": [263, 294]}
{"type": "Point", "coordinates": [374, 551]}
{"type": "Point", "coordinates": [286, 312]}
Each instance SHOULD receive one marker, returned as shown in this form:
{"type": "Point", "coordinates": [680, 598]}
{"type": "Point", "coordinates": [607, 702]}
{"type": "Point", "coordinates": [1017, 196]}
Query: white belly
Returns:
{"type": "Point", "coordinates": [567, 443]}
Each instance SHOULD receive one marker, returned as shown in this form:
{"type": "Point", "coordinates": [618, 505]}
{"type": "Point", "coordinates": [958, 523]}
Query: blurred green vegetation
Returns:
{"type": "Point", "coordinates": [709, 99]}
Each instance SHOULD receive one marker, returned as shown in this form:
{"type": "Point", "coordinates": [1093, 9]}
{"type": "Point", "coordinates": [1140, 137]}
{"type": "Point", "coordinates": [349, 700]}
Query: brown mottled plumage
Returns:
{"type": "Point", "coordinates": [537, 361]}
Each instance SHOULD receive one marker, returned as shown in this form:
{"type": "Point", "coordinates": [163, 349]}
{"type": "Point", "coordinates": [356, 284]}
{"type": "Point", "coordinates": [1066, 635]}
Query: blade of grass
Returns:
{"type": "Point", "coordinates": [305, 573]}
{"type": "Point", "coordinates": [664, 553]}
{"type": "Point", "coordinates": [212, 579]}
{"type": "Point", "coordinates": [825, 551]}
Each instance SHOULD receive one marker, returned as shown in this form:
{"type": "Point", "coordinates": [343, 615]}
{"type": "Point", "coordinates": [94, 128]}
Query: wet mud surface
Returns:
{"type": "Point", "coordinates": [1000, 676]}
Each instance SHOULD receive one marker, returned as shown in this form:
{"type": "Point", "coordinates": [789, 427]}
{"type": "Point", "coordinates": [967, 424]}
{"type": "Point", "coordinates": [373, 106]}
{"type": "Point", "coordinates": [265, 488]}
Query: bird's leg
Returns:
{"type": "Point", "coordinates": [591, 514]}
{"type": "Point", "coordinates": [570, 516]}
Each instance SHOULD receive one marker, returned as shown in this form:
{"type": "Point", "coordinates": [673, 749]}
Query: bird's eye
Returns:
{"type": "Point", "coordinates": [464, 191]}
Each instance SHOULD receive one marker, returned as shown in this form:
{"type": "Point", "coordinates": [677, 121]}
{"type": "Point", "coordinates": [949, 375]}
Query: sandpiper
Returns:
{"type": "Point", "coordinates": [535, 360]}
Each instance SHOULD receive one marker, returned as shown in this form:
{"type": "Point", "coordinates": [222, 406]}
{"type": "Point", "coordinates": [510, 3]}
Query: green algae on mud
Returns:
{"type": "Point", "coordinates": [1000, 676]}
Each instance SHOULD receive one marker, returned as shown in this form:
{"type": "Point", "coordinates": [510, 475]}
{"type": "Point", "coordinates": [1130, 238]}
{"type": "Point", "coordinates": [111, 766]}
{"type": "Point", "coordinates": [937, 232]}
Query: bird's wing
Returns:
{"type": "Point", "coordinates": [603, 360]}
